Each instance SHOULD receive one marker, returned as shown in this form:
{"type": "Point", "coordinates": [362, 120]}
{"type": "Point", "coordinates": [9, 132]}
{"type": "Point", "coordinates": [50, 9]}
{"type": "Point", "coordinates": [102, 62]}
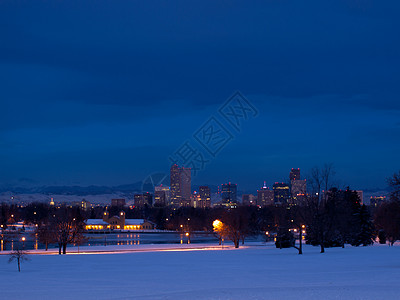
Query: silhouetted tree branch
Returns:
{"type": "Point", "coordinates": [19, 255]}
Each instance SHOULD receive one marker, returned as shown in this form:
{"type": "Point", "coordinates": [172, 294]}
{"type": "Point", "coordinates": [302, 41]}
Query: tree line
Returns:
{"type": "Point", "coordinates": [54, 225]}
{"type": "Point", "coordinates": [325, 217]}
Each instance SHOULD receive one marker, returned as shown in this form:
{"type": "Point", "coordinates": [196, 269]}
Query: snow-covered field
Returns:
{"type": "Point", "coordinates": [252, 272]}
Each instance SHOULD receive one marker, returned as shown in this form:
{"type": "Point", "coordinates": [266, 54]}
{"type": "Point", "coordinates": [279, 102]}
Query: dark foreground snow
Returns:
{"type": "Point", "coordinates": [253, 272]}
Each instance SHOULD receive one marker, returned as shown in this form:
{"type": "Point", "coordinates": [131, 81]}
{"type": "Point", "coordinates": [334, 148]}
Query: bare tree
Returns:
{"type": "Point", "coordinates": [80, 239]}
{"type": "Point", "coordinates": [68, 227]}
{"type": "Point", "coordinates": [234, 225]}
{"type": "Point", "coordinates": [220, 229]}
{"type": "Point", "coordinates": [297, 218]}
{"type": "Point", "coordinates": [45, 234]}
{"type": "Point", "coordinates": [316, 203]}
{"type": "Point", "coordinates": [19, 255]}
{"type": "Point", "coordinates": [227, 231]}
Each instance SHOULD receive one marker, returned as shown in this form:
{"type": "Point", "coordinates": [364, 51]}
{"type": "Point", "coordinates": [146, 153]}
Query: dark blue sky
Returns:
{"type": "Point", "coordinates": [97, 92]}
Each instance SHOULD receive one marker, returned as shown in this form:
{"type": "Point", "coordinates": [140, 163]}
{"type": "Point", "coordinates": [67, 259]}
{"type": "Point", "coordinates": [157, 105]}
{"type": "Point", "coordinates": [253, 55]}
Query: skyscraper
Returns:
{"type": "Point", "coordinates": [298, 186]}
{"type": "Point", "coordinates": [265, 196]}
{"type": "Point", "coordinates": [294, 174]}
{"type": "Point", "coordinates": [281, 193]}
{"type": "Point", "coordinates": [298, 190]}
{"type": "Point", "coordinates": [205, 196]}
{"type": "Point", "coordinates": [175, 185]}
{"type": "Point", "coordinates": [360, 195]}
{"type": "Point", "coordinates": [159, 198]}
{"type": "Point", "coordinates": [229, 193]}
{"type": "Point", "coordinates": [143, 199]}
{"type": "Point", "coordinates": [249, 199]}
{"type": "Point", "coordinates": [375, 201]}
{"type": "Point", "coordinates": [195, 200]}
{"type": "Point", "coordinates": [162, 195]}
{"type": "Point", "coordinates": [180, 185]}
{"type": "Point", "coordinates": [186, 185]}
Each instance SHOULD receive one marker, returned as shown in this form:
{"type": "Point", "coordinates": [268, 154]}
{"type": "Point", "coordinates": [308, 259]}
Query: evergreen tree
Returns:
{"type": "Point", "coordinates": [382, 236]}
{"type": "Point", "coordinates": [284, 238]}
{"type": "Point", "coordinates": [364, 234]}
{"type": "Point", "coordinates": [387, 218]}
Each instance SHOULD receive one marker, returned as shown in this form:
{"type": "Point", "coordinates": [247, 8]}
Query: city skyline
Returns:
{"type": "Point", "coordinates": [150, 184]}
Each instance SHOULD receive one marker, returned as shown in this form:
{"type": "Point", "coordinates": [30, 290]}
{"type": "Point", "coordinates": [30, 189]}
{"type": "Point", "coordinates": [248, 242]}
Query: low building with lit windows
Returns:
{"type": "Point", "coordinates": [96, 224]}
{"type": "Point", "coordinates": [118, 222]}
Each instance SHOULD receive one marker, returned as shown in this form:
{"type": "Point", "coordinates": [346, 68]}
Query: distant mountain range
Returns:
{"type": "Point", "coordinates": [73, 190]}
{"type": "Point", "coordinates": [81, 190]}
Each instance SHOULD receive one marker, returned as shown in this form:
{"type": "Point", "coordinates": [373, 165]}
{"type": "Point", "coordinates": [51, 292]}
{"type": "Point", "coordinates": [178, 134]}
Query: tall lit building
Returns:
{"type": "Point", "coordinates": [175, 185]}
{"type": "Point", "coordinates": [180, 185]}
{"type": "Point", "coordinates": [298, 186]}
{"type": "Point", "coordinates": [265, 196]}
{"type": "Point", "coordinates": [85, 205]}
{"type": "Point", "coordinates": [205, 196]}
{"type": "Point", "coordinates": [162, 195]}
{"type": "Point", "coordinates": [360, 195]}
{"type": "Point", "coordinates": [294, 174]}
{"type": "Point", "coordinates": [375, 201]}
{"type": "Point", "coordinates": [298, 190]}
{"type": "Point", "coordinates": [159, 198]}
{"type": "Point", "coordinates": [249, 199]}
{"type": "Point", "coordinates": [281, 193]}
{"type": "Point", "coordinates": [195, 200]}
{"type": "Point", "coordinates": [143, 199]}
{"type": "Point", "coordinates": [186, 183]}
{"type": "Point", "coordinates": [229, 193]}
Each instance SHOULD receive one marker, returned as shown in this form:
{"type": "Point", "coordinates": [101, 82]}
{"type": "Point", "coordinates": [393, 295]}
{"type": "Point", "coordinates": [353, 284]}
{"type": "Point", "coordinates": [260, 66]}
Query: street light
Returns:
{"type": "Point", "coordinates": [23, 242]}
{"type": "Point", "coordinates": [217, 223]}
{"type": "Point", "coordinates": [218, 228]}
{"type": "Point", "coordinates": [187, 234]}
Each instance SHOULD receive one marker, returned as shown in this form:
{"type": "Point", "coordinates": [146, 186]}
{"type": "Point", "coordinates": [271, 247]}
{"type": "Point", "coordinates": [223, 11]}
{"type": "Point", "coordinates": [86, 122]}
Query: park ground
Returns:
{"type": "Point", "coordinates": [255, 271]}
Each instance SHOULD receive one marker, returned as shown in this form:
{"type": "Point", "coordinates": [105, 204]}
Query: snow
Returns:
{"type": "Point", "coordinates": [59, 198]}
{"type": "Point", "coordinates": [95, 222]}
{"type": "Point", "coordinates": [134, 221]}
{"type": "Point", "coordinates": [256, 271]}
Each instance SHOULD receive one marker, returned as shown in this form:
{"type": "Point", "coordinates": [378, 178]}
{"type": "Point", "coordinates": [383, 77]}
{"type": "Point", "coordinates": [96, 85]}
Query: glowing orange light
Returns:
{"type": "Point", "coordinates": [217, 223]}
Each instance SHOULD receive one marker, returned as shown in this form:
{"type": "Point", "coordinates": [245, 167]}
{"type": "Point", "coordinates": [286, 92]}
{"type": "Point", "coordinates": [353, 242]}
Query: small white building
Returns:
{"type": "Point", "coordinates": [118, 222]}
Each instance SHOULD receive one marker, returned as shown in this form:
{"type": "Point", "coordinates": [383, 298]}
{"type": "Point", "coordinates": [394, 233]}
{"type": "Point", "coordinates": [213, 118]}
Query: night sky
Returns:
{"type": "Point", "coordinates": [96, 92]}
